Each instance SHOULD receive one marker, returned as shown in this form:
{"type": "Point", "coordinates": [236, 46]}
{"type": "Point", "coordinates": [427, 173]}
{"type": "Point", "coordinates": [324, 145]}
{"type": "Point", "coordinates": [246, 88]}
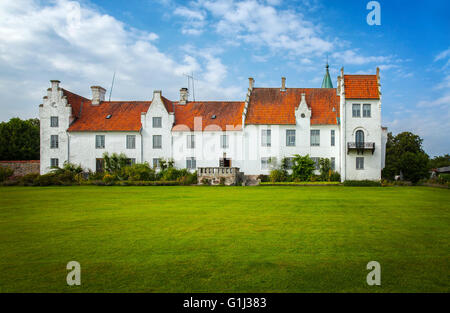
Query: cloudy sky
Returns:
{"type": "Point", "coordinates": [152, 44]}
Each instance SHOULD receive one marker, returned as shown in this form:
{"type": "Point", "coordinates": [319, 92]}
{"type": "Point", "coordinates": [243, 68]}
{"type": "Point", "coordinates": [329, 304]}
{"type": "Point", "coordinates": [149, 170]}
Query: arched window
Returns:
{"type": "Point", "coordinates": [359, 139]}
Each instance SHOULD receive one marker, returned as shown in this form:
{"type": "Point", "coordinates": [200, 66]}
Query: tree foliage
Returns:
{"type": "Point", "coordinates": [404, 154]}
{"type": "Point", "coordinates": [19, 139]}
{"type": "Point", "coordinates": [302, 167]}
{"type": "Point", "coordinates": [440, 161]}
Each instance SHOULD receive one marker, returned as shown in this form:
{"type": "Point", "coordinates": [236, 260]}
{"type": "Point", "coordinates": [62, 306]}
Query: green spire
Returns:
{"type": "Point", "coordinates": [326, 83]}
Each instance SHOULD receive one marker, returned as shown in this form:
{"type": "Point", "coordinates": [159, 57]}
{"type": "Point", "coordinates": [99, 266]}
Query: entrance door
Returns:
{"type": "Point", "coordinates": [224, 162]}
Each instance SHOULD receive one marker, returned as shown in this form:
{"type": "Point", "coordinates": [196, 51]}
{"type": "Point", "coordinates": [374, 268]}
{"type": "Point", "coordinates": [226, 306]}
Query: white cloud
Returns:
{"type": "Point", "coordinates": [194, 20]}
{"type": "Point", "coordinates": [351, 57]}
{"type": "Point", "coordinates": [82, 47]}
{"type": "Point", "coordinates": [443, 55]}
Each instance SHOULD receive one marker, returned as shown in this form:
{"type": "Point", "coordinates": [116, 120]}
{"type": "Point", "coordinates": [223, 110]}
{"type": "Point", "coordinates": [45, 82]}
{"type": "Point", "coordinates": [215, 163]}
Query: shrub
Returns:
{"type": "Point", "coordinates": [48, 179]}
{"type": "Point", "coordinates": [335, 176]}
{"type": "Point", "coordinates": [205, 181]}
{"type": "Point", "coordinates": [444, 178]}
{"type": "Point", "coordinates": [302, 168]}
{"type": "Point", "coordinates": [277, 175]}
{"type": "Point", "coordinates": [109, 179]}
{"type": "Point", "coordinates": [114, 163]}
{"type": "Point", "coordinates": [138, 172]}
{"type": "Point", "coordinates": [31, 179]}
{"type": "Point", "coordinates": [264, 178]}
{"type": "Point", "coordinates": [362, 183]}
{"type": "Point", "coordinates": [325, 169]}
{"type": "Point", "coordinates": [5, 173]}
{"type": "Point", "coordinates": [222, 181]}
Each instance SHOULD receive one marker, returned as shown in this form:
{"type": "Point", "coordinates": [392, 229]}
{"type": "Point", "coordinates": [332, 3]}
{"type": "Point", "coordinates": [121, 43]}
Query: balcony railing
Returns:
{"type": "Point", "coordinates": [217, 170]}
{"type": "Point", "coordinates": [361, 146]}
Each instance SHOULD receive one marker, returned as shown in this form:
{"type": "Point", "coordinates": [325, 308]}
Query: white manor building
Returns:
{"type": "Point", "coordinates": [342, 124]}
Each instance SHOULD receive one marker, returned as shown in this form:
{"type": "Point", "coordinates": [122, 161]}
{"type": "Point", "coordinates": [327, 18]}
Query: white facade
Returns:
{"type": "Point", "coordinates": [244, 147]}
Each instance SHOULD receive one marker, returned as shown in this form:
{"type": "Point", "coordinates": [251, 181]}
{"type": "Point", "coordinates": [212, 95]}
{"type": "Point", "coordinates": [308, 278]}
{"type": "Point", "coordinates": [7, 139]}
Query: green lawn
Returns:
{"type": "Point", "coordinates": [224, 239]}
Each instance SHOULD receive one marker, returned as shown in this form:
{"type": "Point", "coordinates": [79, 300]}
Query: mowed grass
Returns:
{"type": "Point", "coordinates": [224, 239]}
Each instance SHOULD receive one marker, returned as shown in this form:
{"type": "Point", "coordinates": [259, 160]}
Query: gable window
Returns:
{"type": "Point", "coordinates": [190, 141]}
{"type": "Point", "coordinates": [359, 163]}
{"type": "Point", "coordinates": [54, 142]}
{"type": "Point", "coordinates": [155, 162]}
{"type": "Point", "coordinates": [99, 165]}
{"type": "Point", "coordinates": [266, 138]}
{"type": "Point", "coordinates": [53, 121]}
{"type": "Point", "coordinates": [191, 163]}
{"type": "Point", "coordinates": [366, 110]}
{"type": "Point", "coordinates": [100, 141]}
{"type": "Point", "coordinates": [265, 162]}
{"type": "Point", "coordinates": [316, 163]}
{"type": "Point", "coordinates": [224, 142]}
{"type": "Point", "coordinates": [356, 110]}
{"type": "Point", "coordinates": [290, 137]}
{"type": "Point", "coordinates": [157, 141]}
{"type": "Point", "coordinates": [315, 137]}
{"type": "Point", "coordinates": [54, 162]}
{"type": "Point", "coordinates": [333, 164]}
{"type": "Point", "coordinates": [157, 122]}
{"type": "Point", "coordinates": [333, 137]}
{"type": "Point", "coordinates": [131, 141]}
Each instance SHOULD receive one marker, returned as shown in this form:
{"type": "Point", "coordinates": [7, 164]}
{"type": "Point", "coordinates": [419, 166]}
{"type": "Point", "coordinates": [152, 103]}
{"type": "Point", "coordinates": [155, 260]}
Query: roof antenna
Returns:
{"type": "Point", "coordinates": [112, 85]}
{"type": "Point", "coordinates": [190, 80]}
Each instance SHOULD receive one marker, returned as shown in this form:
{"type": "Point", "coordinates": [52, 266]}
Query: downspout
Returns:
{"type": "Point", "coordinates": [68, 147]}
{"type": "Point", "coordinates": [142, 146]}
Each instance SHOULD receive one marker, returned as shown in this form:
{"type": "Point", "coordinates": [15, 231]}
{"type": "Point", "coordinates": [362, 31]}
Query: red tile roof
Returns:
{"type": "Point", "coordinates": [125, 116]}
{"type": "Point", "coordinates": [75, 101]}
{"type": "Point", "coordinates": [272, 106]}
{"type": "Point", "coordinates": [228, 116]}
{"type": "Point", "coordinates": [361, 87]}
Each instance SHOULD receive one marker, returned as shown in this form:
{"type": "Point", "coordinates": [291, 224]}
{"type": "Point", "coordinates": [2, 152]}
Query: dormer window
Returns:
{"type": "Point", "coordinates": [108, 116]}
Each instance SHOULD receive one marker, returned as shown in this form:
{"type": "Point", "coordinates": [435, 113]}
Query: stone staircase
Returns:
{"type": "Point", "coordinates": [251, 180]}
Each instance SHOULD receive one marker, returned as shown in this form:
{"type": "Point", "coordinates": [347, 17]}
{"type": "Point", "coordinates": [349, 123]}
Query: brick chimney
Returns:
{"type": "Point", "coordinates": [183, 95]}
{"type": "Point", "coordinates": [98, 94]}
{"type": "Point", "coordinates": [283, 83]}
{"type": "Point", "coordinates": [251, 83]}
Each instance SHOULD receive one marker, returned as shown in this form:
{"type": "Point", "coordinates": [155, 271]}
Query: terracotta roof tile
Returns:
{"type": "Point", "coordinates": [228, 116]}
{"type": "Point", "coordinates": [361, 87]}
{"type": "Point", "coordinates": [275, 107]}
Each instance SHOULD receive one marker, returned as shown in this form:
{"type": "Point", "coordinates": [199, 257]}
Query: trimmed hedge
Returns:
{"type": "Point", "coordinates": [362, 183]}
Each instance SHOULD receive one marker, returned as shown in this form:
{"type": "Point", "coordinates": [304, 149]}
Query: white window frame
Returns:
{"type": "Point", "coordinates": [360, 163]}
{"type": "Point", "coordinates": [290, 133]}
{"type": "Point", "coordinates": [265, 163]}
{"type": "Point", "coordinates": [155, 143]}
{"type": "Point", "coordinates": [54, 142]}
{"type": "Point", "coordinates": [100, 141]}
{"type": "Point", "coordinates": [190, 141]}
{"type": "Point", "coordinates": [315, 133]}
{"type": "Point", "coordinates": [225, 141]}
{"type": "Point", "coordinates": [191, 163]}
{"type": "Point", "coordinates": [54, 160]}
{"type": "Point", "coordinates": [158, 124]}
{"type": "Point", "coordinates": [54, 121]}
{"type": "Point", "coordinates": [156, 162]}
{"type": "Point", "coordinates": [316, 163]}
{"type": "Point", "coordinates": [333, 138]}
{"type": "Point", "coordinates": [333, 163]}
{"type": "Point", "coordinates": [356, 110]}
{"type": "Point", "coordinates": [131, 141]}
{"type": "Point", "coordinates": [367, 113]}
{"type": "Point", "coordinates": [266, 138]}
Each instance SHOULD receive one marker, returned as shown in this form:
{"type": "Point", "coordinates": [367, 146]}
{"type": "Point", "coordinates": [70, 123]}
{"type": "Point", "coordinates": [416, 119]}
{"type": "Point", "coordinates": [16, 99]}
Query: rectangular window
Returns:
{"type": "Point", "coordinates": [333, 164]}
{"type": "Point", "coordinates": [54, 162]}
{"type": "Point", "coordinates": [131, 141]}
{"type": "Point", "coordinates": [224, 141]}
{"type": "Point", "coordinates": [356, 110]}
{"type": "Point", "coordinates": [156, 163]}
{"type": "Point", "coordinates": [265, 162]}
{"type": "Point", "coordinates": [359, 163]}
{"type": "Point", "coordinates": [266, 138]}
{"type": "Point", "coordinates": [366, 110]}
{"type": "Point", "coordinates": [54, 142]}
{"type": "Point", "coordinates": [316, 163]}
{"type": "Point", "coordinates": [157, 141]}
{"type": "Point", "coordinates": [131, 161]}
{"type": "Point", "coordinates": [290, 137]}
{"type": "Point", "coordinates": [333, 138]}
{"type": "Point", "coordinates": [53, 121]}
{"type": "Point", "coordinates": [315, 137]}
{"type": "Point", "coordinates": [157, 122]}
{"type": "Point", "coordinates": [99, 165]}
{"type": "Point", "coordinates": [100, 141]}
{"type": "Point", "coordinates": [191, 163]}
{"type": "Point", "coordinates": [290, 163]}
{"type": "Point", "coordinates": [190, 141]}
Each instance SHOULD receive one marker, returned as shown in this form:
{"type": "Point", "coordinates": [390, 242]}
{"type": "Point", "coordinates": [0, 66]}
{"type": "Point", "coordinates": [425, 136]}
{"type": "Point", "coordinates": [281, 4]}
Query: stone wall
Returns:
{"type": "Point", "coordinates": [22, 168]}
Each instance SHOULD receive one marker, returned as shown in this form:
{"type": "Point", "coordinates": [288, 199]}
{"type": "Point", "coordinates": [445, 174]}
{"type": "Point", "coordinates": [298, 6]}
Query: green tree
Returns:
{"type": "Point", "coordinates": [19, 139]}
{"type": "Point", "coordinates": [440, 161]}
{"type": "Point", "coordinates": [404, 154]}
{"type": "Point", "coordinates": [302, 167]}
{"type": "Point", "coordinates": [114, 163]}
{"type": "Point", "coordinates": [325, 169]}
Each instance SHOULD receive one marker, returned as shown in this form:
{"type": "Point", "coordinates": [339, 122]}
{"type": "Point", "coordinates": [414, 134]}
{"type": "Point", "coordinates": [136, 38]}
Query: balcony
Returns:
{"type": "Point", "coordinates": [360, 147]}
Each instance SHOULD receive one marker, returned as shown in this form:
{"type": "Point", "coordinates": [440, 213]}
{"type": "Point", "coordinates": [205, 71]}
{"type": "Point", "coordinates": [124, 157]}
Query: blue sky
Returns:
{"type": "Point", "coordinates": [151, 44]}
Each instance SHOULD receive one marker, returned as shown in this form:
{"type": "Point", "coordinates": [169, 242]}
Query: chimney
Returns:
{"type": "Point", "coordinates": [98, 94]}
{"type": "Point", "coordinates": [303, 97]}
{"type": "Point", "coordinates": [283, 83]}
{"type": "Point", "coordinates": [378, 74]}
{"type": "Point", "coordinates": [251, 83]}
{"type": "Point", "coordinates": [55, 84]}
{"type": "Point", "coordinates": [183, 95]}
